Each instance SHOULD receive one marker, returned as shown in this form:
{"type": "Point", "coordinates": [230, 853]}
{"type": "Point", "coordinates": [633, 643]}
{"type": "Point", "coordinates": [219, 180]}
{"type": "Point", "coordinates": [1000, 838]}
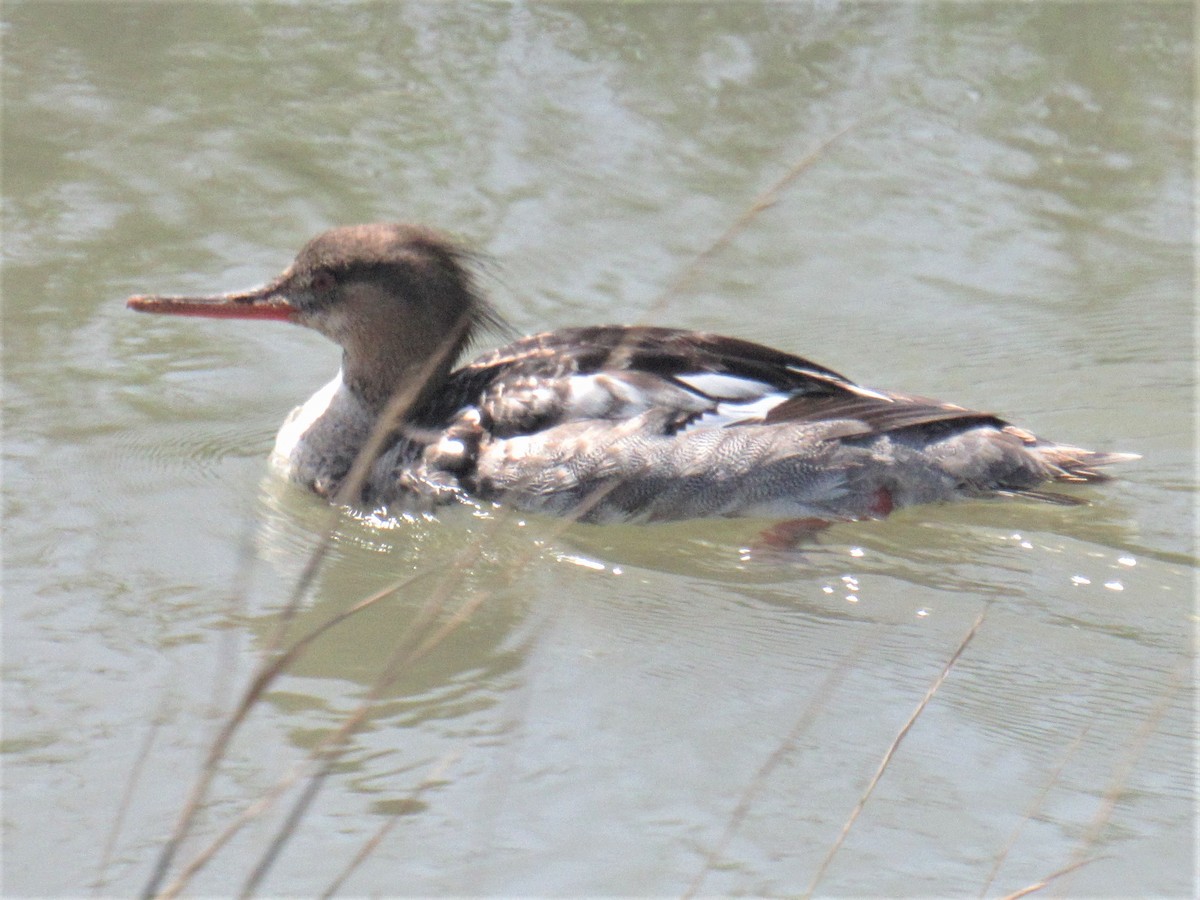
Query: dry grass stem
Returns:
{"type": "Point", "coordinates": [352, 484]}
{"type": "Point", "coordinates": [763, 201]}
{"type": "Point", "coordinates": [266, 674]}
{"type": "Point", "coordinates": [376, 839]}
{"type": "Point", "coordinates": [424, 619]}
{"type": "Point", "coordinates": [197, 862]}
{"type": "Point", "coordinates": [1124, 767]}
{"type": "Point", "coordinates": [410, 650]}
{"type": "Point", "coordinates": [828, 687]}
{"type": "Point", "coordinates": [1049, 879]}
{"type": "Point", "coordinates": [235, 606]}
{"type": "Point", "coordinates": [135, 776]}
{"type": "Point", "coordinates": [891, 750]}
{"type": "Point", "coordinates": [1033, 808]}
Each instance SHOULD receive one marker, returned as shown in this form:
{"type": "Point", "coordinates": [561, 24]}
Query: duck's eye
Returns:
{"type": "Point", "coordinates": [323, 281]}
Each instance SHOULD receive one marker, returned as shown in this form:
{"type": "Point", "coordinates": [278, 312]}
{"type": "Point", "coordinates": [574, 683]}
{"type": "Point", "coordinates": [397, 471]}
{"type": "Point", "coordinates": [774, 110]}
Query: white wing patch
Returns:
{"type": "Point", "coordinates": [753, 410]}
{"type": "Point", "coordinates": [734, 387]}
{"type": "Point", "coordinates": [714, 399]}
{"type": "Point", "coordinates": [731, 413]}
{"type": "Point", "coordinates": [725, 387]}
{"type": "Point", "coordinates": [738, 399]}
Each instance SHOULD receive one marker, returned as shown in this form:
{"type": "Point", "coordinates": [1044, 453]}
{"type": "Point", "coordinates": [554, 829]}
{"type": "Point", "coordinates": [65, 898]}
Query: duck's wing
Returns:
{"type": "Point", "coordinates": [689, 379]}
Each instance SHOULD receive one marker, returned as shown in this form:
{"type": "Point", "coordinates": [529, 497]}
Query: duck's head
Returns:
{"type": "Point", "coordinates": [399, 300]}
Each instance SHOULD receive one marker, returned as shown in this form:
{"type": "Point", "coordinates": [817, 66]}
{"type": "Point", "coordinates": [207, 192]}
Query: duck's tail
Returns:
{"type": "Point", "coordinates": [1075, 464]}
{"type": "Point", "coordinates": [1062, 463]}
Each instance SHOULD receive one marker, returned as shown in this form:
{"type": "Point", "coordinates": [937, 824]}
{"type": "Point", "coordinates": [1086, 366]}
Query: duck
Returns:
{"type": "Point", "coordinates": [603, 423]}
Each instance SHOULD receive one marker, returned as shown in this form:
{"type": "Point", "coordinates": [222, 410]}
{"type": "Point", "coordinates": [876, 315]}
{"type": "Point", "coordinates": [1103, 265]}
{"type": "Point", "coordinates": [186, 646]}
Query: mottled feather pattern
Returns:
{"type": "Point", "coordinates": [650, 423]}
{"type": "Point", "coordinates": [653, 423]}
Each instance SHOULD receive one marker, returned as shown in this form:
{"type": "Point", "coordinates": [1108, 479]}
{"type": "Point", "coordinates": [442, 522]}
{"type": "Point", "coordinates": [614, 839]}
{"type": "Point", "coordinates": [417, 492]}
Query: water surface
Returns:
{"type": "Point", "coordinates": [1006, 223]}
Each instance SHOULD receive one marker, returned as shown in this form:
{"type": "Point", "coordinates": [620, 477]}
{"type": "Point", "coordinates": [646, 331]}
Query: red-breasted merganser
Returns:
{"type": "Point", "coordinates": [612, 423]}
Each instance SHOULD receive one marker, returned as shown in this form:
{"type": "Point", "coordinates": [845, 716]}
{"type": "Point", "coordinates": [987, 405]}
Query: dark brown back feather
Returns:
{"type": "Point", "coordinates": [896, 413]}
{"type": "Point", "coordinates": [663, 351]}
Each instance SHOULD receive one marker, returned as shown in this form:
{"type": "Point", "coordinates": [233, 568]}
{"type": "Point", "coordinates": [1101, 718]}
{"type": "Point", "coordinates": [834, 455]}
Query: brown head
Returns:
{"type": "Point", "coordinates": [399, 300]}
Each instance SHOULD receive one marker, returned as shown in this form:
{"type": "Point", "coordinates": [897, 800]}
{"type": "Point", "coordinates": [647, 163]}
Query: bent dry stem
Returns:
{"type": "Point", "coordinates": [891, 751]}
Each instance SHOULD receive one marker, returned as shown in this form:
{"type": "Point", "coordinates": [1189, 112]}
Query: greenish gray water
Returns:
{"type": "Point", "coordinates": [1007, 224]}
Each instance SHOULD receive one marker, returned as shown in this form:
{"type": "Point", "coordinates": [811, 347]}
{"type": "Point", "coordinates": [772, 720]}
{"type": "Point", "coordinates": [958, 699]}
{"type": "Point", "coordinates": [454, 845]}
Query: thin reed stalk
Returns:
{"type": "Point", "coordinates": [891, 751]}
{"type": "Point", "coordinates": [380, 833]}
{"type": "Point", "coordinates": [1050, 879]}
{"type": "Point", "coordinates": [135, 776]}
{"type": "Point", "coordinates": [410, 650]}
{"type": "Point", "coordinates": [828, 687]}
{"type": "Point", "coordinates": [763, 201]}
{"type": "Point", "coordinates": [262, 679]}
{"type": "Point", "coordinates": [1033, 808]}
{"type": "Point", "coordinates": [423, 620]}
{"type": "Point", "coordinates": [1124, 768]}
